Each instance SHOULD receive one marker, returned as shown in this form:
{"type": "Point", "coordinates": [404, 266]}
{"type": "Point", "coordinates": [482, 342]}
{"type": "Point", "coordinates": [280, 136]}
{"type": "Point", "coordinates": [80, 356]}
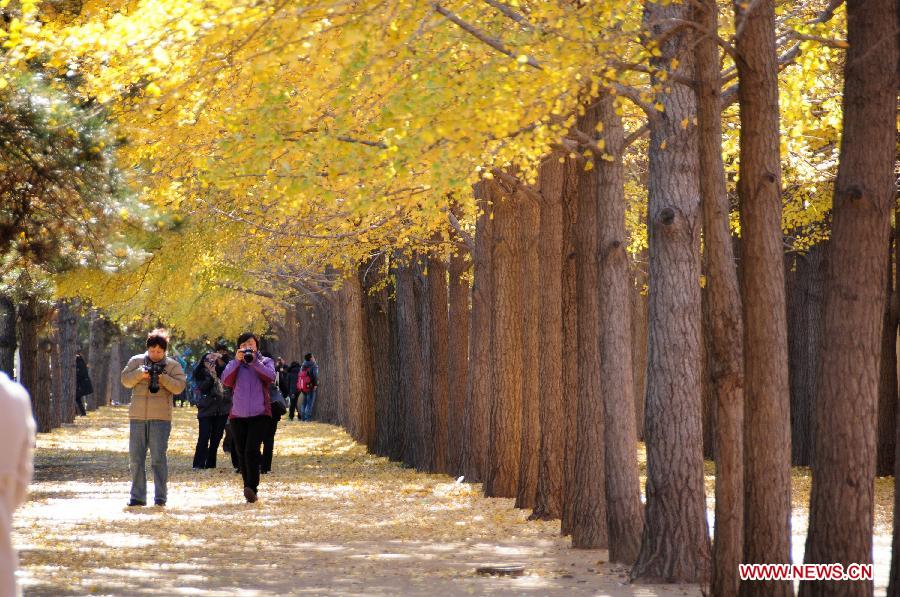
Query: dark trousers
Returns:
{"type": "Point", "coordinates": [247, 437]}
{"type": "Point", "coordinates": [269, 446]}
{"type": "Point", "coordinates": [79, 404]}
{"type": "Point", "coordinates": [208, 438]}
{"type": "Point", "coordinates": [295, 406]}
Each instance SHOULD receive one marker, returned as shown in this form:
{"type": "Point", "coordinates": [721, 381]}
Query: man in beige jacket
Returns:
{"type": "Point", "coordinates": [16, 441]}
{"type": "Point", "coordinates": [153, 379]}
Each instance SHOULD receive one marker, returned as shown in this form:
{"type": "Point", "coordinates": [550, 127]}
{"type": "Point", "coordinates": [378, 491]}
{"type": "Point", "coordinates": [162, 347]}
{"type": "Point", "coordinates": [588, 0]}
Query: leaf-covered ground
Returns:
{"type": "Point", "coordinates": [331, 520]}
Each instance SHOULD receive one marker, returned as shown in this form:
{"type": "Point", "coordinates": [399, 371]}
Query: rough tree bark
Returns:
{"type": "Point", "coordinates": [625, 513]}
{"type": "Point", "coordinates": [380, 336]}
{"type": "Point", "coordinates": [479, 390]}
{"type": "Point", "coordinates": [805, 311]}
{"type": "Point", "coordinates": [458, 353]}
{"type": "Point", "coordinates": [723, 314]}
{"type": "Point", "coordinates": [413, 365]}
{"type": "Point", "coordinates": [570, 341]}
{"type": "Point", "coordinates": [549, 492]}
{"type": "Point", "coordinates": [887, 383]}
{"type": "Point", "coordinates": [361, 391]}
{"type": "Point", "coordinates": [844, 467]}
{"type": "Point", "coordinates": [767, 487]}
{"type": "Point", "coordinates": [675, 544]}
{"type": "Point", "coordinates": [532, 363]}
{"type": "Point", "coordinates": [639, 343]}
{"type": "Point", "coordinates": [35, 361]}
{"type": "Point", "coordinates": [64, 346]}
{"type": "Point", "coordinates": [438, 306]}
{"type": "Point", "coordinates": [7, 335]}
{"type": "Point", "coordinates": [98, 361]}
{"type": "Point", "coordinates": [504, 449]}
{"type": "Point", "coordinates": [590, 528]}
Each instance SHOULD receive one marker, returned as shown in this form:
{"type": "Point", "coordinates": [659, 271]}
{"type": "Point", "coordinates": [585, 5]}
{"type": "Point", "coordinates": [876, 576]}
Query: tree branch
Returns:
{"type": "Point", "coordinates": [463, 235]}
{"type": "Point", "coordinates": [482, 36]}
{"type": "Point", "coordinates": [511, 13]}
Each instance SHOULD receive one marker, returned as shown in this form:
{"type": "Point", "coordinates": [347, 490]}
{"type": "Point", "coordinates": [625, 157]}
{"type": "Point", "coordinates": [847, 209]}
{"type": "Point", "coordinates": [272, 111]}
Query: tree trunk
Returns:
{"type": "Point", "coordinates": [504, 449]}
{"type": "Point", "coordinates": [532, 362]}
{"type": "Point", "coordinates": [805, 312]}
{"type": "Point", "coordinates": [35, 362]}
{"type": "Point", "coordinates": [98, 362]}
{"type": "Point", "coordinates": [723, 316]}
{"type": "Point", "coordinates": [384, 372]}
{"type": "Point", "coordinates": [479, 384]}
{"type": "Point", "coordinates": [894, 582]}
{"type": "Point", "coordinates": [570, 341]}
{"type": "Point", "coordinates": [842, 496]}
{"type": "Point", "coordinates": [552, 413]}
{"type": "Point", "coordinates": [675, 544]}
{"type": "Point", "coordinates": [413, 365]}
{"type": "Point", "coordinates": [361, 394]}
{"type": "Point", "coordinates": [458, 351]}
{"type": "Point", "coordinates": [590, 528]}
{"type": "Point", "coordinates": [639, 346]}
{"type": "Point", "coordinates": [65, 340]}
{"type": "Point", "coordinates": [887, 386]}
{"type": "Point", "coordinates": [767, 505]}
{"type": "Point", "coordinates": [625, 512]}
{"type": "Point", "coordinates": [708, 396]}
{"type": "Point", "coordinates": [437, 303]}
{"type": "Point", "coordinates": [7, 335]}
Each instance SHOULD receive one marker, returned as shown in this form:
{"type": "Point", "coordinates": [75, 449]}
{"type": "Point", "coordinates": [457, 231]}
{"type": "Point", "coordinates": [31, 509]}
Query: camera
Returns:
{"type": "Point", "coordinates": [248, 355]}
{"type": "Point", "coordinates": [154, 369]}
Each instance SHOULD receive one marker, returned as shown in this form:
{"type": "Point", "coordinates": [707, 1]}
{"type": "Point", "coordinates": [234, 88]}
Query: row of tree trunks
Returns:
{"type": "Point", "coordinates": [864, 191]}
{"type": "Point", "coordinates": [413, 364]}
{"type": "Point", "coordinates": [99, 359]}
{"type": "Point", "coordinates": [7, 335]}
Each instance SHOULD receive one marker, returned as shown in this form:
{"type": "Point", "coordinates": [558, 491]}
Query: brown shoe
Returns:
{"type": "Point", "coordinates": [249, 494]}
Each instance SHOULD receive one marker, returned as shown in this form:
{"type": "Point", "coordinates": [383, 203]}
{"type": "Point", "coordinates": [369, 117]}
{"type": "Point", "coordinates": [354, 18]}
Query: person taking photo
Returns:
{"type": "Point", "coordinates": [153, 379]}
{"type": "Point", "coordinates": [249, 376]}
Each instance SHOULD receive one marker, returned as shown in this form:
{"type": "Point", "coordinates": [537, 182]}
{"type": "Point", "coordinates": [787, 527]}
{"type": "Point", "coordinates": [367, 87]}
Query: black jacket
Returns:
{"type": "Point", "coordinates": [292, 374]}
{"type": "Point", "coordinates": [83, 385]}
{"type": "Point", "coordinates": [210, 403]}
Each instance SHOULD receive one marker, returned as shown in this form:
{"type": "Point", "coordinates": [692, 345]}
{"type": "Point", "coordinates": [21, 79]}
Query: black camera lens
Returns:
{"type": "Point", "coordinates": [248, 356]}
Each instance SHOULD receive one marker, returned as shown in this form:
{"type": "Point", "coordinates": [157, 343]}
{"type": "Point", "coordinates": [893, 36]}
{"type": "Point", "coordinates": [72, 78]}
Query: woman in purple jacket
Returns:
{"type": "Point", "coordinates": [249, 375]}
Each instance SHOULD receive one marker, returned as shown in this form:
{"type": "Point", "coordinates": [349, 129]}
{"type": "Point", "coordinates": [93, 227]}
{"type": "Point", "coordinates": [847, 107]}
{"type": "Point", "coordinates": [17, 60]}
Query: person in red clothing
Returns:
{"type": "Point", "coordinates": [249, 375]}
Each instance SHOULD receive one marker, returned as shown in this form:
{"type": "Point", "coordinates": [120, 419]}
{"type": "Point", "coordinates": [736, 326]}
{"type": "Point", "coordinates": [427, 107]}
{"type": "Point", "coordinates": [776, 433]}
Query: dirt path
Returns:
{"type": "Point", "coordinates": [331, 520]}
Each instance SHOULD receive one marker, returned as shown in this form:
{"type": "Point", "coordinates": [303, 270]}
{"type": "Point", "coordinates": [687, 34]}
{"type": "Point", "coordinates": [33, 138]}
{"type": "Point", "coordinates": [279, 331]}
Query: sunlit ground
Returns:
{"type": "Point", "coordinates": [331, 520]}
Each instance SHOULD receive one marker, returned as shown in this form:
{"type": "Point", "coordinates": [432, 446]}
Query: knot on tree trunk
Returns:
{"type": "Point", "coordinates": [666, 216]}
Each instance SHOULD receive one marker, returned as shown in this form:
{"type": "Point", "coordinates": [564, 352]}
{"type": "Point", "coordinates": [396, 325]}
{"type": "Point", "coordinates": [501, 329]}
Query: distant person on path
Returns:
{"type": "Point", "coordinates": [308, 385]}
{"type": "Point", "coordinates": [16, 443]}
{"type": "Point", "coordinates": [153, 379]}
{"type": "Point", "coordinates": [294, 393]}
{"type": "Point", "coordinates": [83, 385]}
{"type": "Point", "coordinates": [281, 369]}
{"type": "Point", "coordinates": [183, 395]}
{"type": "Point", "coordinates": [213, 408]}
{"type": "Point", "coordinates": [249, 375]}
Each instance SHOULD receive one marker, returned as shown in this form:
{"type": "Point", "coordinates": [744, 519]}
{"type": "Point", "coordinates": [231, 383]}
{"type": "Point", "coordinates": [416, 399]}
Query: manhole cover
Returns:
{"type": "Point", "coordinates": [501, 570]}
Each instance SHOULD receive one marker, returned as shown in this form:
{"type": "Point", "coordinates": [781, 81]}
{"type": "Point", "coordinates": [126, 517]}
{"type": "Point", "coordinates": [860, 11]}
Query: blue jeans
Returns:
{"type": "Point", "coordinates": [309, 399]}
{"type": "Point", "coordinates": [154, 434]}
